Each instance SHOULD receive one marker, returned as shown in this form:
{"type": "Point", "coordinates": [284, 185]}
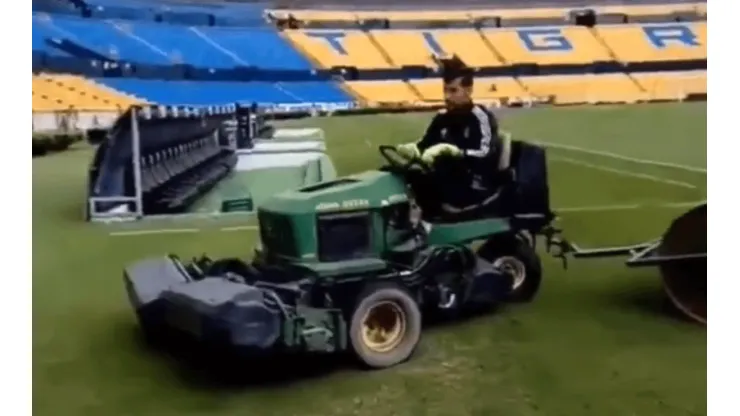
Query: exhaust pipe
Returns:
{"type": "Point", "coordinates": [685, 281]}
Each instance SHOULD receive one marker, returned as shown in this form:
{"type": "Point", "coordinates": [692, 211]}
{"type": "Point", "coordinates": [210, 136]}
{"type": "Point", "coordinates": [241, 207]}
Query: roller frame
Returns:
{"type": "Point", "coordinates": [641, 255]}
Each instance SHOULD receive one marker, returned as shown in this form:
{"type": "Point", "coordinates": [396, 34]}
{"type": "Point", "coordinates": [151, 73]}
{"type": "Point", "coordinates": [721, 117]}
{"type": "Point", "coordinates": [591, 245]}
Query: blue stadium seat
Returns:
{"type": "Point", "coordinates": [163, 44]}
{"type": "Point", "coordinates": [186, 44]}
{"type": "Point", "coordinates": [54, 6]}
{"type": "Point", "coordinates": [110, 40]}
{"type": "Point", "coordinates": [317, 91]}
{"type": "Point", "coordinates": [218, 93]}
{"type": "Point", "coordinates": [179, 12]}
{"type": "Point", "coordinates": [264, 48]}
{"type": "Point", "coordinates": [42, 29]}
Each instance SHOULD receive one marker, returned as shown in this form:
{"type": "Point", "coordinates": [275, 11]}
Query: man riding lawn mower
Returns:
{"type": "Point", "coordinates": [353, 264]}
{"type": "Point", "coordinates": [469, 156]}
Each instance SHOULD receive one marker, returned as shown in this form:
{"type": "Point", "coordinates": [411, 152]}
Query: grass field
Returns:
{"type": "Point", "coordinates": [595, 342]}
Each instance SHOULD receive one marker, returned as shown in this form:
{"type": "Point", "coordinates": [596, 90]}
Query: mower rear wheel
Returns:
{"type": "Point", "coordinates": [385, 326]}
{"type": "Point", "coordinates": [516, 255]}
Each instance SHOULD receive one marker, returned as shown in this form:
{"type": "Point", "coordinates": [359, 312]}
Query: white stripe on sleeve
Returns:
{"type": "Point", "coordinates": [485, 130]}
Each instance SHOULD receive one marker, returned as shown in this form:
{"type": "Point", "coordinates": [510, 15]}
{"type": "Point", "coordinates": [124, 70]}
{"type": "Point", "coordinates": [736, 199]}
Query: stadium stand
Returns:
{"type": "Point", "coordinates": [209, 53]}
{"type": "Point", "coordinates": [175, 92]}
{"type": "Point", "coordinates": [158, 44]}
{"type": "Point", "coordinates": [656, 42]}
{"type": "Point", "coordinates": [561, 12]}
{"type": "Point", "coordinates": [419, 48]}
{"type": "Point", "coordinates": [384, 93]}
{"type": "Point", "coordinates": [547, 46]}
{"type": "Point", "coordinates": [483, 89]}
{"type": "Point", "coordinates": [70, 92]}
{"type": "Point", "coordinates": [581, 89]}
{"type": "Point", "coordinates": [336, 48]}
{"type": "Point", "coordinates": [672, 85]}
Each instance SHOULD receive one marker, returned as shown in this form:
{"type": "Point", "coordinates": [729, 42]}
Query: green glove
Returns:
{"type": "Point", "coordinates": [408, 150]}
{"type": "Point", "coordinates": [441, 149]}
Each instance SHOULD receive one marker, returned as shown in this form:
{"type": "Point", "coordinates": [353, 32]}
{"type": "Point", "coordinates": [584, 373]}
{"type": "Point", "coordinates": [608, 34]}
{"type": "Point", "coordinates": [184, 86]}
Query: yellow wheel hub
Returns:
{"type": "Point", "coordinates": [383, 327]}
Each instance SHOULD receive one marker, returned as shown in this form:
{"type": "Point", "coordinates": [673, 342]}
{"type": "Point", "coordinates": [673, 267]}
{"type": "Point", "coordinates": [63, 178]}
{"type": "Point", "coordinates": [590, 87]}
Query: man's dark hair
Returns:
{"type": "Point", "coordinates": [454, 68]}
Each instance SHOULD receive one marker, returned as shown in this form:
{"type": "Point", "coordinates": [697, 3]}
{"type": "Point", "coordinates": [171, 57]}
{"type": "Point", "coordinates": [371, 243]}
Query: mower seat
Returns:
{"type": "Point", "coordinates": [524, 192]}
{"type": "Point", "coordinates": [532, 190]}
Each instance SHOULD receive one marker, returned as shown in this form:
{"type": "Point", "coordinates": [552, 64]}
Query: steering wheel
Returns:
{"type": "Point", "coordinates": [399, 163]}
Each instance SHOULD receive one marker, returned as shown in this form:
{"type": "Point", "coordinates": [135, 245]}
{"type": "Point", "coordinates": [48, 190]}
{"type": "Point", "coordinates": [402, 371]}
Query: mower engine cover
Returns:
{"type": "Point", "coordinates": [210, 309]}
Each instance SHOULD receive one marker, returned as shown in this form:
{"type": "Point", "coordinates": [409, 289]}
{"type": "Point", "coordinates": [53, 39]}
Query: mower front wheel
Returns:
{"type": "Point", "coordinates": [385, 327]}
{"type": "Point", "coordinates": [515, 255]}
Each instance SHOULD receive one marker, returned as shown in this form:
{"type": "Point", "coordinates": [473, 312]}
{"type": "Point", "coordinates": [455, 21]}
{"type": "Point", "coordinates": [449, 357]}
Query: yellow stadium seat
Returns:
{"type": "Point", "coordinates": [580, 89]}
{"type": "Point", "coordinates": [71, 92]}
{"type": "Point", "coordinates": [548, 45]}
{"type": "Point", "coordinates": [458, 15]}
{"type": "Point", "coordinates": [417, 48]}
{"type": "Point", "coordinates": [701, 9]}
{"type": "Point", "coordinates": [653, 9]}
{"type": "Point", "coordinates": [672, 85]}
{"type": "Point", "coordinates": [415, 16]}
{"type": "Point", "coordinates": [333, 48]}
{"type": "Point", "coordinates": [656, 42]}
{"type": "Point", "coordinates": [429, 89]}
{"type": "Point", "coordinates": [315, 15]}
{"type": "Point", "coordinates": [524, 13]}
{"type": "Point", "coordinates": [484, 89]}
{"type": "Point", "coordinates": [44, 104]}
{"type": "Point", "coordinates": [377, 93]}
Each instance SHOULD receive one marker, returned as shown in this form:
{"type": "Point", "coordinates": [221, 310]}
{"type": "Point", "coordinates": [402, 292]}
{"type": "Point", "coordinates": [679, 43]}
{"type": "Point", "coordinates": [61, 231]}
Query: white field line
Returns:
{"type": "Point", "coordinates": [592, 208]}
{"type": "Point", "coordinates": [617, 156]}
{"type": "Point", "coordinates": [241, 228]}
{"type": "Point", "coordinates": [612, 155]}
{"type": "Point", "coordinates": [623, 172]}
{"type": "Point", "coordinates": [155, 231]}
{"type": "Point", "coordinates": [627, 207]}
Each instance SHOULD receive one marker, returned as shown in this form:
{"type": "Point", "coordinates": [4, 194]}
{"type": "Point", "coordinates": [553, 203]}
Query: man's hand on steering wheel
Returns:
{"type": "Point", "coordinates": [403, 158]}
{"type": "Point", "coordinates": [441, 149]}
{"type": "Point", "coordinates": [408, 151]}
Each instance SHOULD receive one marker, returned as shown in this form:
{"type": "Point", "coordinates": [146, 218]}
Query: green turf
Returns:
{"type": "Point", "coordinates": [591, 344]}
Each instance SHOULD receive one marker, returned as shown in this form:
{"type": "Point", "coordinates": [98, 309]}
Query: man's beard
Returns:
{"type": "Point", "coordinates": [458, 107]}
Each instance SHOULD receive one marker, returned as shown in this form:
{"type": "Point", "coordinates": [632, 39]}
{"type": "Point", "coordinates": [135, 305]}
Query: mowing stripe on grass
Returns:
{"type": "Point", "coordinates": [623, 172]}
{"type": "Point", "coordinates": [623, 157]}
{"type": "Point", "coordinates": [592, 208]}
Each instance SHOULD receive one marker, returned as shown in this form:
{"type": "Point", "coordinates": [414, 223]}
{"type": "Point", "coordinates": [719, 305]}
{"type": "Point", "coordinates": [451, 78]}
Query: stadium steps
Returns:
{"type": "Point", "coordinates": [673, 86]}
{"type": "Point", "coordinates": [377, 45]}
{"type": "Point", "coordinates": [500, 57]}
{"type": "Point", "coordinates": [212, 42]}
{"type": "Point", "coordinates": [415, 90]}
{"type": "Point", "coordinates": [306, 54]}
{"type": "Point", "coordinates": [385, 93]}
{"type": "Point", "coordinates": [354, 94]}
{"type": "Point", "coordinates": [586, 88]}
{"type": "Point", "coordinates": [114, 91]}
{"type": "Point", "coordinates": [126, 29]}
{"type": "Point", "coordinates": [614, 56]}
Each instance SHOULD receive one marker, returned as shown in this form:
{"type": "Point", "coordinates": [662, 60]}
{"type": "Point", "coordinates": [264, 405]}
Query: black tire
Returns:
{"type": "Point", "coordinates": [402, 305]}
{"type": "Point", "coordinates": [516, 253]}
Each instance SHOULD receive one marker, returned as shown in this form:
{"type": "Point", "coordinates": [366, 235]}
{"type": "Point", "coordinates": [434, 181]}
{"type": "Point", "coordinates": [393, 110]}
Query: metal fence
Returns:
{"type": "Point", "coordinates": [422, 4]}
{"type": "Point", "coordinates": [446, 4]}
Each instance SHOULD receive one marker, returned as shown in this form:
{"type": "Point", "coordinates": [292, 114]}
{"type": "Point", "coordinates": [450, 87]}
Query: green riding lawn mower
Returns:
{"type": "Point", "coordinates": [353, 264]}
